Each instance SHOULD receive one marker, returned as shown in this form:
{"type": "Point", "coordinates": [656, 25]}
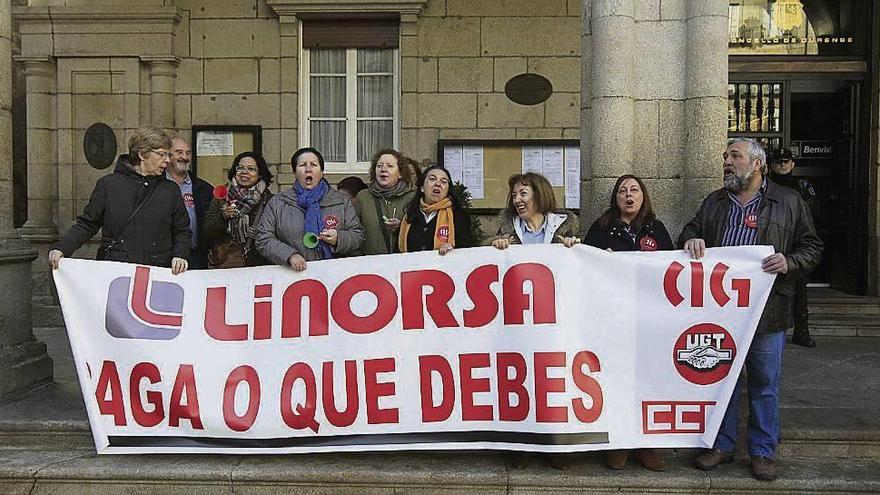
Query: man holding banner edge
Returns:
{"type": "Point", "coordinates": [750, 210]}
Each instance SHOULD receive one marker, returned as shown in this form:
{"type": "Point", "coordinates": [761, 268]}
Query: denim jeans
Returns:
{"type": "Point", "coordinates": [763, 370]}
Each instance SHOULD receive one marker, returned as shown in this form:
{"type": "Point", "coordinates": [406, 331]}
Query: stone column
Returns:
{"type": "Point", "coordinates": [607, 99]}
{"type": "Point", "coordinates": [41, 150]}
{"type": "Point", "coordinates": [23, 360]}
{"type": "Point", "coordinates": [706, 99]}
{"type": "Point", "coordinates": [163, 71]}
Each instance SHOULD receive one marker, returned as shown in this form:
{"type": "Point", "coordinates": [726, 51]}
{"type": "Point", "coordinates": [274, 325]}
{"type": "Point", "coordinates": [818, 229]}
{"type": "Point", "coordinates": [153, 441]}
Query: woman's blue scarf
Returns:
{"type": "Point", "coordinates": [309, 200]}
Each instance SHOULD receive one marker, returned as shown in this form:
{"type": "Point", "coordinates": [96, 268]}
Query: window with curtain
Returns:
{"type": "Point", "coordinates": [350, 103]}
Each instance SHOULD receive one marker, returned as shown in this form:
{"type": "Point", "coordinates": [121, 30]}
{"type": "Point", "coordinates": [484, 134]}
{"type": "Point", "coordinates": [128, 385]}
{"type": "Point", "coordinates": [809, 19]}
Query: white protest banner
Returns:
{"type": "Point", "coordinates": [537, 348]}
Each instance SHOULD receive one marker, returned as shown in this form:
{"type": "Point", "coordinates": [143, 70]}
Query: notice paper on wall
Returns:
{"type": "Point", "coordinates": [472, 170]}
{"type": "Point", "coordinates": [572, 177]}
{"type": "Point", "coordinates": [552, 164]}
{"type": "Point", "coordinates": [452, 160]}
{"type": "Point", "coordinates": [533, 159]}
{"type": "Point", "coordinates": [214, 143]}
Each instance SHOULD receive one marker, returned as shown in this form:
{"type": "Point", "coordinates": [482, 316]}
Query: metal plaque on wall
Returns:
{"type": "Point", "coordinates": [99, 145]}
{"type": "Point", "coordinates": [528, 89]}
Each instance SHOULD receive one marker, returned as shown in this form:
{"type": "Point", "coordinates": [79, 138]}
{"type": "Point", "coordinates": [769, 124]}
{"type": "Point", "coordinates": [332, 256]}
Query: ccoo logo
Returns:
{"type": "Point", "coordinates": [138, 309]}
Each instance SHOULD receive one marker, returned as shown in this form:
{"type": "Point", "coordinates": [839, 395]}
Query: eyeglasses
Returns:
{"type": "Point", "coordinates": [250, 170]}
{"type": "Point", "coordinates": [162, 153]}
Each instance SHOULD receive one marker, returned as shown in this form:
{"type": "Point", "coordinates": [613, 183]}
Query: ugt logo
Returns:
{"type": "Point", "coordinates": [138, 309]}
{"type": "Point", "coordinates": [704, 353]}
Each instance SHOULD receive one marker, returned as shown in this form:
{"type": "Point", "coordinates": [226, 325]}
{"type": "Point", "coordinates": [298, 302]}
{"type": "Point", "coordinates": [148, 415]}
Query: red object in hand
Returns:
{"type": "Point", "coordinates": [221, 192]}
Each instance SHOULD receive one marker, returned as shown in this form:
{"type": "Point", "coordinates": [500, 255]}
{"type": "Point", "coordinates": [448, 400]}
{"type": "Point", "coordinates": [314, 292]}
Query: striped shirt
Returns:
{"type": "Point", "coordinates": [742, 220]}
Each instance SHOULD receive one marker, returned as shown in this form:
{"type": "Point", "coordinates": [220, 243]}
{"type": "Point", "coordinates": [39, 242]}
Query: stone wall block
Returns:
{"type": "Point", "coordinates": [508, 133]}
{"type": "Point", "coordinates": [409, 74]}
{"type": "Point", "coordinates": [6, 75]}
{"type": "Point", "coordinates": [270, 76]}
{"type": "Point", "coordinates": [409, 110]}
{"type": "Point", "coordinates": [694, 192]}
{"type": "Point", "coordinates": [571, 133]}
{"type": "Point", "coordinates": [646, 140]}
{"type": "Point", "coordinates": [672, 138]}
{"type": "Point", "coordinates": [530, 36]}
{"type": "Point", "coordinates": [227, 38]}
{"type": "Point", "coordinates": [427, 75]}
{"type": "Point", "coordinates": [713, 8]}
{"type": "Point", "coordinates": [289, 116]}
{"type": "Point", "coordinates": [449, 37]}
{"type": "Point", "coordinates": [611, 140]}
{"type": "Point", "coordinates": [409, 46]}
{"type": "Point", "coordinates": [213, 9]}
{"type": "Point", "coordinates": [87, 44]}
{"type": "Point", "coordinates": [434, 8]}
{"type": "Point", "coordinates": [190, 76]}
{"type": "Point", "coordinates": [706, 56]}
{"type": "Point", "coordinates": [250, 109]}
{"type": "Point", "coordinates": [231, 75]}
{"type": "Point", "coordinates": [447, 110]}
{"type": "Point", "coordinates": [426, 149]}
{"type": "Point", "coordinates": [612, 69]}
{"type": "Point", "coordinates": [88, 109]}
{"type": "Point", "coordinates": [706, 124]}
{"type": "Point", "coordinates": [560, 71]}
{"type": "Point", "coordinates": [507, 67]}
{"type": "Point", "coordinates": [472, 75]}
{"type": "Point", "coordinates": [272, 145]}
{"type": "Point", "coordinates": [289, 68]}
{"type": "Point", "coordinates": [661, 69]}
{"type": "Point", "coordinates": [647, 10]}
{"type": "Point", "coordinates": [503, 8]}
{"type": "Point", "coordinates": [575, 7]}
{"type": "Point", "coordinates": [540, 133]}
{"type": "Point", "coordinates": [562, 110]}
{"type": "Point", "coordinates": [614, 8]}
{"type": "Point", "coordinates": [289, 144]}
{"type": "Point", "coordinates": [586, 71]}
{"type": "Point", "coordinates": [36, 45]}
{"type": "Point", "coordinates": [496, 110]}
{"type": "Point", "coordinates": [183, 111]}
{"type": "Point", "coordinates": [675, 9]}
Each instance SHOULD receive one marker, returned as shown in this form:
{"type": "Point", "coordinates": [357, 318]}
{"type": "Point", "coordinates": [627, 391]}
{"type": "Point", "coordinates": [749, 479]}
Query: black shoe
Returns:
{"type": "Point", "coordinates": [802, 338]}
{"type": "Point", "coordinates": [710, 459]}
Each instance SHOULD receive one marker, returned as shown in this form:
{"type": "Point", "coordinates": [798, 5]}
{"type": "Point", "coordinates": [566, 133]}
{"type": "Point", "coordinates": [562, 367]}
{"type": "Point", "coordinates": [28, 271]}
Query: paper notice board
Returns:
{"type": "Point", "coordinates": [484, 166]}
{"type": "Point", "coordinates": [214, 148]}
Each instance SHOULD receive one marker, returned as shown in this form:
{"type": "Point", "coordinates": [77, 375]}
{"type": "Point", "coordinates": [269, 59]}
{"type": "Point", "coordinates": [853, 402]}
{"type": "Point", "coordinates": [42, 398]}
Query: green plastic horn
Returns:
{"type": "Point", "coordinates": [310, 240]}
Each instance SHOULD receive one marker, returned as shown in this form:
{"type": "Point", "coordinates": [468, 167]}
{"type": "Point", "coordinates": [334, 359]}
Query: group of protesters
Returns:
{"type": "Point", "coordinates": [153, 211]}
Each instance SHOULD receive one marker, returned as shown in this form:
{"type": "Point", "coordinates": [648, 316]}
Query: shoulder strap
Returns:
{"type": "Point", "coordinates": [133, 213]}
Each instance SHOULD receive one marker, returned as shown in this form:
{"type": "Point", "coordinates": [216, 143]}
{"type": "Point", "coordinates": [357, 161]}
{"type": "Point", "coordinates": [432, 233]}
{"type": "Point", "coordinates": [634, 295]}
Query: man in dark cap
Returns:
{"type": "Point", "coordinates": [781, 165]}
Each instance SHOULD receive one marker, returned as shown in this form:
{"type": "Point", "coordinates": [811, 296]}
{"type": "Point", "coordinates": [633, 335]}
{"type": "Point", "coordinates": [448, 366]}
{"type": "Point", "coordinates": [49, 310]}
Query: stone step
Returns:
{"type": "Point", "coordinates": [75, 472]}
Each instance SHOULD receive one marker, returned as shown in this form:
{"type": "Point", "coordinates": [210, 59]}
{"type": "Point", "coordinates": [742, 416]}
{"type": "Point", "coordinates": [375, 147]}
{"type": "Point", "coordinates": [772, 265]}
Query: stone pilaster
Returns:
{"type": "Point", "coordinates": [163, 71]}
{"type": "Point", "coordinates": [23, 360]}
{"type": "Point", "coordinates": [42, 155]}
{"type": "Point", "coordinates": [706, 99]}
{"type": "Point", "coordinates": [609, 87]}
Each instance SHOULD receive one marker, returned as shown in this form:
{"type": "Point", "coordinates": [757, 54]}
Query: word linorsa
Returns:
{"type": "Point", "coordinates": [409, 299]}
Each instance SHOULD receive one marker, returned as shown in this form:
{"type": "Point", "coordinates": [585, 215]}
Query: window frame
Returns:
{"type": "Point", "coordinates": [351, 165]}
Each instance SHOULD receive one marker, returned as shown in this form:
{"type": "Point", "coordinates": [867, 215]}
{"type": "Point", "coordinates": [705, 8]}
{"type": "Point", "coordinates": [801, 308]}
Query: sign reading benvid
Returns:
{"type": "Point", "coordinates": [537, 348]}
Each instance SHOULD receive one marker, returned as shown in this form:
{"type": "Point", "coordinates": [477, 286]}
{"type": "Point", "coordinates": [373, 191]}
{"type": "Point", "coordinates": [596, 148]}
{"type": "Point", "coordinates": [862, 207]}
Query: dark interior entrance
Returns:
{"type": "Point", "coordinates": [824, 135]}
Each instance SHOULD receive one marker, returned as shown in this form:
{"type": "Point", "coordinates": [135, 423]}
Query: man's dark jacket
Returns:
{"type": "Point", "coordinates": [156, 234]}
{"type": "Point", "coordinates": [784, 221]}
{"type": "Point", "coordinates": [203, 193]}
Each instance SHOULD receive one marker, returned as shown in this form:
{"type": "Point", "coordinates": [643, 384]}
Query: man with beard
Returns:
{"type": "Point", "coordinates": [197, 194]}
{"type": "Point", "coordinates": [750, 210]}
{"type": "Point", "coordinates": [781, 168]}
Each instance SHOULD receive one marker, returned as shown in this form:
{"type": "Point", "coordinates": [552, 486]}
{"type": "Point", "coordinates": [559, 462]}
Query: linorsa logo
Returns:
{"type": "Point", "coordinates": [139, 309]}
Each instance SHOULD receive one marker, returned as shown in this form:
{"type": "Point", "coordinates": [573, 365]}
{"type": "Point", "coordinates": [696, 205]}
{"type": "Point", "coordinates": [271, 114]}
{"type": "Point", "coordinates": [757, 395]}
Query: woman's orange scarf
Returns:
{"type": "Point", "coordinates": [445, 224]}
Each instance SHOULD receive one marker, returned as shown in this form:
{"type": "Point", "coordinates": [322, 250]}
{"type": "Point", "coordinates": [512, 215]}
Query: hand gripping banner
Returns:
{"type": "Point", "coordinates": [535, 348]}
